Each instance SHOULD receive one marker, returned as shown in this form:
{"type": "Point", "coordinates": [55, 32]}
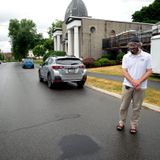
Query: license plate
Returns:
{"type": "Point", "coordinates": [71, 70]}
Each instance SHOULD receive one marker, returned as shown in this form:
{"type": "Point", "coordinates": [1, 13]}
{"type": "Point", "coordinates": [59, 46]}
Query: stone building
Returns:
{"type": "Point", "coordinates": [82, 35]}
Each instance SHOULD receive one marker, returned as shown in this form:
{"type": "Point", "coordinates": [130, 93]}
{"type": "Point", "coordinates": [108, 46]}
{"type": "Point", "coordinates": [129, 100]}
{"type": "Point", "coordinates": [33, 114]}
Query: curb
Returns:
{"type": "Point", "coordinates": [145, 105]}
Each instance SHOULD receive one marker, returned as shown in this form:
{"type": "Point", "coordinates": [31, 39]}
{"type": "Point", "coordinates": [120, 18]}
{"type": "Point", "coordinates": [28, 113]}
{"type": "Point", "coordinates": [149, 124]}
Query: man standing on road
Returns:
{"type": "Point", "coordinates": [136, 67]}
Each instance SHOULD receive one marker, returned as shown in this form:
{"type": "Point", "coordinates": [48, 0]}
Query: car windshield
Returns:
{"type": "Point", "coordinates": [68, 61]}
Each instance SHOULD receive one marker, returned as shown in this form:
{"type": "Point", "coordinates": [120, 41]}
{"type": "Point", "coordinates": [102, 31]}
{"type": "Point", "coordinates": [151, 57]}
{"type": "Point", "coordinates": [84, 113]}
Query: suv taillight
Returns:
{"type": "Point", "coordinates": [57, 67]}
{"type": "Point", "coordinates": [82, 66]}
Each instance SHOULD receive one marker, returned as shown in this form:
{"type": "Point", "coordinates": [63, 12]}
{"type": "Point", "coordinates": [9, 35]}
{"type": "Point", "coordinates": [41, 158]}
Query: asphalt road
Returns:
{"type": "Point", "coordinates": [66, 123]}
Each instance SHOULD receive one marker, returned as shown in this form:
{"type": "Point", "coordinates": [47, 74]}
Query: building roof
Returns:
{"type": "Point", "coordinates": [76, 8]}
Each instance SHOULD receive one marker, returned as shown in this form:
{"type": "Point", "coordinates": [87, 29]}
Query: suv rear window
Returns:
{"type": "Point", "coordinates": [68, 61]}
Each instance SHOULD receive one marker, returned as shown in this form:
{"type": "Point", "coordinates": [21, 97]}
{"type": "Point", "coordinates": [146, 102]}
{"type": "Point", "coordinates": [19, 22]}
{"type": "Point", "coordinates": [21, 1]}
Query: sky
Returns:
{"type": "Point", "coordinates": [44, 13]}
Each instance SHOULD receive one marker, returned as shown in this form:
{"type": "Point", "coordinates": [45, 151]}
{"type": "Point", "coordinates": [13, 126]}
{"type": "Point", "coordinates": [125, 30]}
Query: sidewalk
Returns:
{"type": "Point", "coordinates": [152, 84]}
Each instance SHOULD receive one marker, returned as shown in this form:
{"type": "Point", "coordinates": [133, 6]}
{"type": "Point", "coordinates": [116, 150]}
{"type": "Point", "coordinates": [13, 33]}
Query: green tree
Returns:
{"type": "Point", "coordinates": [43, 46]}
{"type": "Point", "coordinates": [23, 36]}
{"type": "Point", "coordinates": [48, 44]}
{"type": "Point", "coordinates": [38, 39]}
{"type": "Point", "coordinates": [150, 14]}
{"type": "Point", "coordinates": [39, 50]}
{"type": "Point", "coordinates": [56, 24]}
{"type": "Point", "coordinates": [1, 56]}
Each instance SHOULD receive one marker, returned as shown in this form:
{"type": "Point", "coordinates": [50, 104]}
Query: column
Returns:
{"type": "Point", "coordinates": [55, 43]}
{"type": "Point", "coordinates": [69, 42]}
{"type": "Point", "coordinates": [76, 42]}
{"type": "Point", "coordinates": [58, 43]}
{"type": "Point", "coordinates": [66, 47]}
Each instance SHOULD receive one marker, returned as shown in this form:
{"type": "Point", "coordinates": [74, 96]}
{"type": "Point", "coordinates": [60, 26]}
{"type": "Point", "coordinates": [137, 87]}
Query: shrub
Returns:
{"type": "Point", "coordinates": [97, 64]}
{"type": "Point", "coordinates": [1, 56]}
{"type": "Point", "coordinates": [107, 55]}
{"type": "Point", "coordinates": [120, 56]}
{"type": "Point", "coordinates": [104, 61]}
{"type": "Point", "coordinates": [113, 62]}
{"type": "Point", "coordinates": [89, 62]}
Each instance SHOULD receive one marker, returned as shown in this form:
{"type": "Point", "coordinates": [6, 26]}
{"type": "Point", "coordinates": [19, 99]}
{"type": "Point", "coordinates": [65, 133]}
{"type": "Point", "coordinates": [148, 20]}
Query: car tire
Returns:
{"type": "Point", "coordinates": [40, 78]}
{"type": "Point", "coordinates": [80, 84]}
{"type": "Point", "coordinates": [49, 81]}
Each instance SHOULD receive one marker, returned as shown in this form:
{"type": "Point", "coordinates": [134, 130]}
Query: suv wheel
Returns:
{"type": "Point", "coordinates": [40, 78]}
{"type": "Point", "coordinates": [80, 84]}
{"type": "Point", "coordinates": [49, 81]}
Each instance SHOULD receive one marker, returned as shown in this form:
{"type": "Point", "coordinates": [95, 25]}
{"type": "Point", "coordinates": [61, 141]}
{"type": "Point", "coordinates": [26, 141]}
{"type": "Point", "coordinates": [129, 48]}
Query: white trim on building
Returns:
{"type": "Point", "coordinates": [73, 38]}
{"type": "Point", "coordinates": [57, 40]}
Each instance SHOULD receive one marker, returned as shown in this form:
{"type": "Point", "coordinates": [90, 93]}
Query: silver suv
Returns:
{"type": "Point", "coordinates": [63, 69]}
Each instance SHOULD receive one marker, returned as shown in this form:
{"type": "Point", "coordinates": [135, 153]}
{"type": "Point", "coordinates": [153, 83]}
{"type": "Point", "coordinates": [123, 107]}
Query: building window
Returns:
{"type": "Point", "coordinates": [92, 29]}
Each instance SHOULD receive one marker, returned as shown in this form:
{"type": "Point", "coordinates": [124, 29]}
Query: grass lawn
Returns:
{"type": "Point", "coordinates": [152, 96]}
{"type": "Point", "coordinates": [116, 70]}
{"type": "Point", "coordinates": [38, 61]}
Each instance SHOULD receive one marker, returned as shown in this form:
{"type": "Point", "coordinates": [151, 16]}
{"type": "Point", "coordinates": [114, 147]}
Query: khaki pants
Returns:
{"type": "Point", "coordinates": [136, 97]}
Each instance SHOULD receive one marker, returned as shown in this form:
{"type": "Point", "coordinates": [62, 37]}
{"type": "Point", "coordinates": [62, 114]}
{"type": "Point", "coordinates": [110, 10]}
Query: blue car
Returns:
{"type": "Point", "coordinates": [27, 63]}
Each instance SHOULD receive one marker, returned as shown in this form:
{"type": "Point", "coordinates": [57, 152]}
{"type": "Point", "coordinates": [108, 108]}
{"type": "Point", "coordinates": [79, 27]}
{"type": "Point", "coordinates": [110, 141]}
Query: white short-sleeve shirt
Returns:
{"type": "Point", "coordinates": [136, 66]}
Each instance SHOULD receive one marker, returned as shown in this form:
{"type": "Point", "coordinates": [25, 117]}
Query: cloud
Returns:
{"type": "Point", "coordinates": [3, 32]}
{"type": "Point", "coordinates": [5, 45]}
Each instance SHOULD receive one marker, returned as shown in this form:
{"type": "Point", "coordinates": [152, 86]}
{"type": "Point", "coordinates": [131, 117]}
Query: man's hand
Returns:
{"type": "Point", "coordinates": [136, 84]}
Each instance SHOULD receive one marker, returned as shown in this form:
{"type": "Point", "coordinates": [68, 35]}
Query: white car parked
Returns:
{"type": "Point", "coordinates": [63, 69]}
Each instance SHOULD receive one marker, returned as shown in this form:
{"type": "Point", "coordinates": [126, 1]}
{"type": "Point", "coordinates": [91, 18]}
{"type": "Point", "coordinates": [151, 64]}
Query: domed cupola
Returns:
{"type": "Point", "coordinates": [76, 8]}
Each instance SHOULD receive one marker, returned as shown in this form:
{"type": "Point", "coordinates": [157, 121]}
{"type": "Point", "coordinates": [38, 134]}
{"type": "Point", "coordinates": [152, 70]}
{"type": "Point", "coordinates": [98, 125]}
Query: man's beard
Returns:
{"type": "Point", "coordinates": [134, 52]}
